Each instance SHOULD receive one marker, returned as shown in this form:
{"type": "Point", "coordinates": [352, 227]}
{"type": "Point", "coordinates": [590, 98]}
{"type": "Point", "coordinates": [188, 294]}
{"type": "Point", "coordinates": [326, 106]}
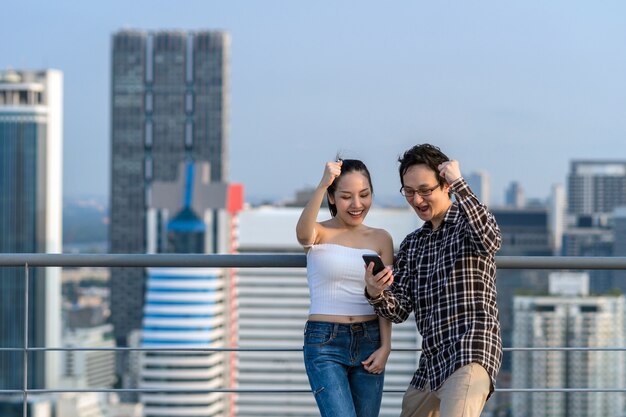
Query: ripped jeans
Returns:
{"type": "Point", "coordinates": [332, 357]}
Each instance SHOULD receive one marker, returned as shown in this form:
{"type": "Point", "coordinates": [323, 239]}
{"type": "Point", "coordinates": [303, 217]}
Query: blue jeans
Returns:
{"type": "Point", "coordinates": [332, 357]}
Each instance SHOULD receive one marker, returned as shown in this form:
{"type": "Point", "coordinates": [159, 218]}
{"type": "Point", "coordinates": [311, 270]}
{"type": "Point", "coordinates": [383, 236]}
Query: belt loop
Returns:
{"type": "Point", "coordinates": [373, 323]}
{"type": "Point", "coordinates": [335, 329]}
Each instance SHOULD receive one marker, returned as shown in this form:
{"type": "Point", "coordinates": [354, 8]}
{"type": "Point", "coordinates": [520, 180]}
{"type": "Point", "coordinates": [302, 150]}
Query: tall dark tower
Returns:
{"type": "Point", "coordinates": [169, 104]}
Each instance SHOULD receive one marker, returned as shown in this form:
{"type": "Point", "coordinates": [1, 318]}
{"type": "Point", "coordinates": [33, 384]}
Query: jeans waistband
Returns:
{"type": "Point", "coordinates": [342, 327]}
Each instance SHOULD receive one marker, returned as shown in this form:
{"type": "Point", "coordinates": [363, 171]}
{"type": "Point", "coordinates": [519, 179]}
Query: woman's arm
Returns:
{"type": "Point", "coordinates": [307, 229]}
{"type": "Point", "coordinates": [377, 361]}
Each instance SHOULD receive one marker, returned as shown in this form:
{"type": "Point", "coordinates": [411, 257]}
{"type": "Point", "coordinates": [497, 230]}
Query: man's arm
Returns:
{"type": "Point", "coordinates": [485, 233]}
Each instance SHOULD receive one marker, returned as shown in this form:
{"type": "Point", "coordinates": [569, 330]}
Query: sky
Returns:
{"type": "Point", "coordinates": [517, 89]}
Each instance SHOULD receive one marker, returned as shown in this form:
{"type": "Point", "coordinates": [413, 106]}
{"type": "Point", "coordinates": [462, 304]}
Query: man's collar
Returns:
{"type": "Point", "coordinates": [453, 214]}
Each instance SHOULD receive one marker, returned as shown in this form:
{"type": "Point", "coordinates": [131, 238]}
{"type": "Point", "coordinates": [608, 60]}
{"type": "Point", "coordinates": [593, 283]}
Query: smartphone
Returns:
{"type": "Point", "coordinates": [378, 263]}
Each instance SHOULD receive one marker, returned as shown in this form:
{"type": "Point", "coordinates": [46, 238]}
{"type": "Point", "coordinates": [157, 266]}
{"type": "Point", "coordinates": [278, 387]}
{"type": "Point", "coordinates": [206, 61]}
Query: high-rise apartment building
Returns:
{"type": "Point", "coordinates": [169, 104]}
{"type": "Point", "coordinates": [31, 140]}
{"type": "Point", "coordinates": [595, 188]}
{"type": "Point", "coordinates": [185, 308]}
{"type": "Point", "coordinates": [569, 318]}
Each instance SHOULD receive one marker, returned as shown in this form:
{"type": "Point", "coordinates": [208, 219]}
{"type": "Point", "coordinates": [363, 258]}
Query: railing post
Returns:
{"type": "Point", "coordinates": [26, 329]}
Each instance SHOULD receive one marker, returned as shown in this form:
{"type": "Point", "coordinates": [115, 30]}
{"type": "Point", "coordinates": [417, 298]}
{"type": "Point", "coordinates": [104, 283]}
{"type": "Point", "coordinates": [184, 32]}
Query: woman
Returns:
{"type": "Point", "coordinates": [346, 345]}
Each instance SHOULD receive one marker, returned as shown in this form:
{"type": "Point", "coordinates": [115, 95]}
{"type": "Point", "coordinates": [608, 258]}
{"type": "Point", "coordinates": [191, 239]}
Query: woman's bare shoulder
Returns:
{"type": "Point", "coordinates": [380, 234]}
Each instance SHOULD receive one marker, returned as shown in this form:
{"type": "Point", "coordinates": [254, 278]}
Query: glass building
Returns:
{"type": "Point", "coordinates": [30, 220]}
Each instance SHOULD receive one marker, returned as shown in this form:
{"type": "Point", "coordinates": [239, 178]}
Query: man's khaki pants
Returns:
{"type": "Point", "coordinates": [462, 395]}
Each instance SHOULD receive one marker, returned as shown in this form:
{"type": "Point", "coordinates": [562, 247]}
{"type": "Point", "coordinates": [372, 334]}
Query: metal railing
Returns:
{"type": "Point", "coordinates": [266, 260]}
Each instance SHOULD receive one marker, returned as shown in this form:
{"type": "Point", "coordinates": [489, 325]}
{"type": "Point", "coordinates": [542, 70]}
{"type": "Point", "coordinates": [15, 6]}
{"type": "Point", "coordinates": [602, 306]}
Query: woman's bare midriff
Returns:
{"type": "Point", "coordinates": [341, 319]}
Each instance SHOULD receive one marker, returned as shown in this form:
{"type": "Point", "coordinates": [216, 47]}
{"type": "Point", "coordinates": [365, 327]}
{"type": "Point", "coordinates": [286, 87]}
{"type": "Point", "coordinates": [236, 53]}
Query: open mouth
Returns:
{"type": "Point", "coordinates": [355, 213]}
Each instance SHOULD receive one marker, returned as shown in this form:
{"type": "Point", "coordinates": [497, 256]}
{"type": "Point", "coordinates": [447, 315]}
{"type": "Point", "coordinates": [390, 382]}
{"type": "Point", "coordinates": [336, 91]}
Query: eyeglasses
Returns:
{"type": "Point", "coordinates": [424, 192]}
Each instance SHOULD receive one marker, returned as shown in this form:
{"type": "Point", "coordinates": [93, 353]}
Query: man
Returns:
{"type": "Point", "coordinates": [445, 273]}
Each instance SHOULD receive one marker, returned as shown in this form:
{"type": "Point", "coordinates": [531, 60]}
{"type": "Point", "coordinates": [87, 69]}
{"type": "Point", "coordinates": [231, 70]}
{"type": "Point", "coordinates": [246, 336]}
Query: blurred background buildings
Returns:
{"type": "Point", "coordinates": [170, 193]}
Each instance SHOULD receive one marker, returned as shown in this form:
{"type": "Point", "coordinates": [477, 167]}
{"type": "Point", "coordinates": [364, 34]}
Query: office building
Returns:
{"type": "Point", "coordinates": [569, 318]}
{"type": "Point", "coordinates": [514, 195]}
{"type": "Point", "coordinates": [84, 404]}
{"type": "Point", "coordinates": [525, 232]}
{"type": "Point", "coordinates": [169, 104]}
{"type": "Point", "coordinates": [84, 369]}
{"type": "Point", "coordinates": [273, 308]}
{"type": "Point", "coordinates": [31, 140]}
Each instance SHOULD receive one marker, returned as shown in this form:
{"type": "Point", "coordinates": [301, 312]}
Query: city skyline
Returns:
{"type": "Point", "coordinates": [517, 90]}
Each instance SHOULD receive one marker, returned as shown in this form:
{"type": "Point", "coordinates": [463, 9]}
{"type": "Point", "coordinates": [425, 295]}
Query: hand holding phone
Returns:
{"type": "Point", "coordinates": [378, 263]}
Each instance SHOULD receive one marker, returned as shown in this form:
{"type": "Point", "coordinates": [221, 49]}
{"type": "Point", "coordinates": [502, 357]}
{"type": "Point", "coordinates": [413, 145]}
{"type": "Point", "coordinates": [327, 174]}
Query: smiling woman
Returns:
{"type": "Point", "coordinates": [342, 325]}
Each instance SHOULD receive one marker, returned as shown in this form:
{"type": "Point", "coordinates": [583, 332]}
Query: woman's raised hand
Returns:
{"type": "Point", "coordinates": [331, 171]}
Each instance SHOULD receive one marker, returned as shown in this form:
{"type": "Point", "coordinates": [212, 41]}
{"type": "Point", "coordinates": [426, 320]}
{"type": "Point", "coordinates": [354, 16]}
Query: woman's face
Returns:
{"type": "Point", "coordinates": [353, 198]}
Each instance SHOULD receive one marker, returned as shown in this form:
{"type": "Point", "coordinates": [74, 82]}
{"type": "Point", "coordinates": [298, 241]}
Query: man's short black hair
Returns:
{"type": "Point", "coordinates": [426, 154]}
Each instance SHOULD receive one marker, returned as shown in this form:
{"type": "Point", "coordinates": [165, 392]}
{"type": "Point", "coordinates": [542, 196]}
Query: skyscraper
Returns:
{"type": "Point", "coordinates": [31, 136]}
{"type": "Point", "coordinates": [569, 318]}
{"type": "Point", "coordinates": [595, 188]}
{"type": "Point", "coordinates": [169, 104]}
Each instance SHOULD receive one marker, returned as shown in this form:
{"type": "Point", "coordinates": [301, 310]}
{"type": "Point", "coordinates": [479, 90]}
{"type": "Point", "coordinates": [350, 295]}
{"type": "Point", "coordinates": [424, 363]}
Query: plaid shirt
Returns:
{"type": "Point", "coordinates": [447, 277]}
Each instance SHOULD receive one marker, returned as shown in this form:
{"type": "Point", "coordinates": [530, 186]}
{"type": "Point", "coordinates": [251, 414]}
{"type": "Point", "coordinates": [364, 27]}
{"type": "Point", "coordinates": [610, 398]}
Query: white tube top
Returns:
{"type": "Point", "coordinates": [335, 274]}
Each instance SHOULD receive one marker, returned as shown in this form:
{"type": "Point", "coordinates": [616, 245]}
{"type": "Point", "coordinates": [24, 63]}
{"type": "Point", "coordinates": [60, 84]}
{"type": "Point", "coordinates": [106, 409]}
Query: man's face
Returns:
{"type": "Point", "coordinates": [420, 179]}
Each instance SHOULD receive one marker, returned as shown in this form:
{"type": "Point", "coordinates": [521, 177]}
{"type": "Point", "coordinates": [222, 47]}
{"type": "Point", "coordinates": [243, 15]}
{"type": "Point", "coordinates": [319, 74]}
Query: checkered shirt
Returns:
{"type": "Point", "coordinates": [447, 277]}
